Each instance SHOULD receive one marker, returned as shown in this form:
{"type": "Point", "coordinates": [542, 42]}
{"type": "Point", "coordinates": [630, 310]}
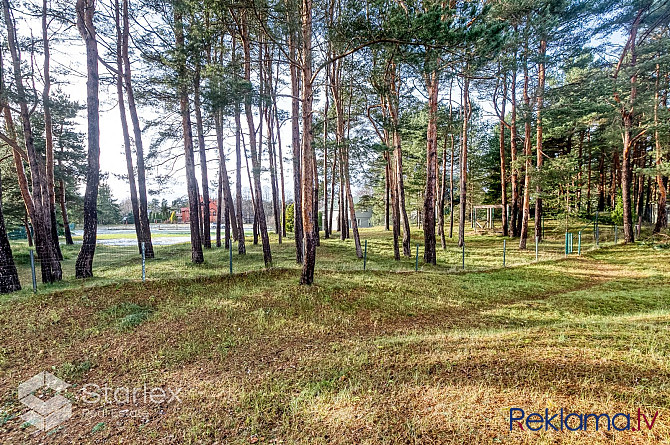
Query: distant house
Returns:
{"type": "Point", "coordinates": [363, 217]}
{"type": "Point", "coordinates": [184, 214]}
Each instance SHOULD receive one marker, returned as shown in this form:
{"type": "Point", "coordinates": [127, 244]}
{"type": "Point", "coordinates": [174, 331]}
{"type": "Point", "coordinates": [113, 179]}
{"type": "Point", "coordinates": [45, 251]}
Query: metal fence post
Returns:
{"type": "Point", "coordinates": [536, 248]}
{"type": "Point", "coordinates": [579, 243]}
{"type": "Point", "coordinates": [144, 262]}
{"type": "Point", "coordinates": [230, 257]}
{"type": "Point", "coordinates": [566, 243]}
{"type": "Point", "coordinates": [32, 269]}
{"type": "Point", "coordinates": [365, 255]}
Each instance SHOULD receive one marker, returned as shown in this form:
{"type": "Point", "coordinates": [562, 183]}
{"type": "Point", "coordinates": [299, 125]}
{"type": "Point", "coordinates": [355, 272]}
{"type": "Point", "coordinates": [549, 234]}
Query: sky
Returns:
{"type": "Point", "coordinates": [69, 56]}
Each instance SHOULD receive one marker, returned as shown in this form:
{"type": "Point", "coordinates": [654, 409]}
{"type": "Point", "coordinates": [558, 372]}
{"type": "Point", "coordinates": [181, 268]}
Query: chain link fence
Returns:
{"type": "Point", "coordinates": [116, 261]}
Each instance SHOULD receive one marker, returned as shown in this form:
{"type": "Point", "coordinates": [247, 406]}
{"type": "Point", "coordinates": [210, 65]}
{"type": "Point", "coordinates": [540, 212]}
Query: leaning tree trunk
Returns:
{"type": "Point", "coordinates": [137, 131]}
{"type": "Point", "coordinates": [126, 133]}
{"type": "Point", "coordinates": [9, 277]}
{"type": "Point", "coordinates": [255, 152]}
{"type": "Point", "coordinates": [50, 266]}
{"type": "Point", "coordinates": [227, 195]}
{"type": "Point", "coordinates": [191, 181]}
{"type": "Point", "coordinates": [241, 241]}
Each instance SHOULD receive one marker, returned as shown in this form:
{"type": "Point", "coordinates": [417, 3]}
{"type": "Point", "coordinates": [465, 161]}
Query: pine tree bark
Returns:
{"type": "Point", "coordinates": [296, 143]}
{"type": "Point", "coordinates": [432, 86]}
{"type": "Point", "coordinates": [63, 209]}
{"type": "Point", "coordinates": [441, 195]}
{"type": "Point", "coordinates": [207, 236]}
{"type": "Point", "coordinates": [307, 150]}
{"type": "Point", "coordinates": [145, 227]}
{"type": "Point", "coordinates": [134, 202]}
{"type": "Point", "coordinates": [227, 195]}
{"type": "Point", "coordinates": [48, 135]}
{"type": "Point", "coordinates": [662, 215]}
{"type": "Point", "coordinates": [523, 236]}
{"type": "Point", "coordinates": [464, 162]}
{"type": "Point", "coordinates": [503, 169]}
{"type": "Point", "coordinates": [49, 264]}
{"type": "Point", "coordinates": [514, 155]}
{"type": "Point", "coordinates": [255, 150]}
{"type": "Point", "coordinates": [191, 181]}
{"type": "Point", "coordinates": [9, 276]}
{"type": "Point", "coordinates": [539, 153]}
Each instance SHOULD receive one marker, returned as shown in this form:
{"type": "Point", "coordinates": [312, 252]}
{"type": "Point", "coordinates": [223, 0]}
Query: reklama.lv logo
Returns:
{"type": "Point", "coordinates": [579, 422]}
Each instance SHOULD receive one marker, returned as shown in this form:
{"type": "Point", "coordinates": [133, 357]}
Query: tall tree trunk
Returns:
{"type": "Point", "coordinates": [137, 132]}
{"type": "Point", "coordinates": [50, 266]}
{"type": "Point", "coordinates": [191, 181]}
{"type": "Point", "coordinates": [207, 238]}
{"type": "Point", "coordinates": [63, 209]}
{"type": "Point", "coordinates": [429, 252]}
{"type": "Point", "coordinates": [400, 184]}
{"type": "Point", "coordinates": [588, 178]}
{"type": "Point", "coordinates": [464, 161]}
{"type": "Point", "coordinates": [273, 135]}
{"type": "Point", "coordinates": [307, 152]}
{"type": "Point", "coordinates": [18, 163]}
{"type": "Point", "coordinates": [48, 135]}
{"type": "Point", "coordinates": [84, 264]}
{"type": "Point", "coordinates": [326, 227]}
{"type": "Point", "coordinates": [343, 150]}
{"type": "Point", "coordinates": [281, 162]}
{"type": "Point", "coordinates": [387, 192]}
{"type": "Point", "coordinates": [513, 152]}
{"type": "Point", "coordinates": [451, 190]}
{"type": "Point", "coordinates": [442, 191]}
{"type": "Point", "coordinates": [527, 152]}
{"type": "Point", "coordinates": [241, 241]}
{"type": "Point", "coordinates": [628, 118]}
{"type": "Point", "coordinates": [395, 206]}
{"type": "Point", "coordinates": [219, 199]}
{"type": "Point", "coordinates": [9, 277]}
{"type": "Point", "coordinates": [255, 150]}
{"type": "Point", "coordinates": [124, 127]}
{"type": "Point", "coordinates": [296, 146]}
{"type": "Point", "coordinates": [539, 153]}
{"type": "Point", "coordinates": [225, 183]}
{"type": "Point", "coordinates": [503, 170]}
{"type": "Point", "coordinates": [662, 215]}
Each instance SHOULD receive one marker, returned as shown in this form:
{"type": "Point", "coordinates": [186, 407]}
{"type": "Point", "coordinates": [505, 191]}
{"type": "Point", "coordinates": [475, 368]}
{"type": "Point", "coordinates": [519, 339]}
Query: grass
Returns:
{"type": "Point", "coordinates": [381, 356]}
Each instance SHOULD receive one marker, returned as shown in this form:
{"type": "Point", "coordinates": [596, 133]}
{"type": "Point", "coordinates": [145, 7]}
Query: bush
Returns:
{"type": "Point", "coordinates": [290, 220]}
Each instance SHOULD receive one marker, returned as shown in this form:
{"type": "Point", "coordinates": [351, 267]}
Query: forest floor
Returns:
{"type": "Point", "coordinates": [384, 355]}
